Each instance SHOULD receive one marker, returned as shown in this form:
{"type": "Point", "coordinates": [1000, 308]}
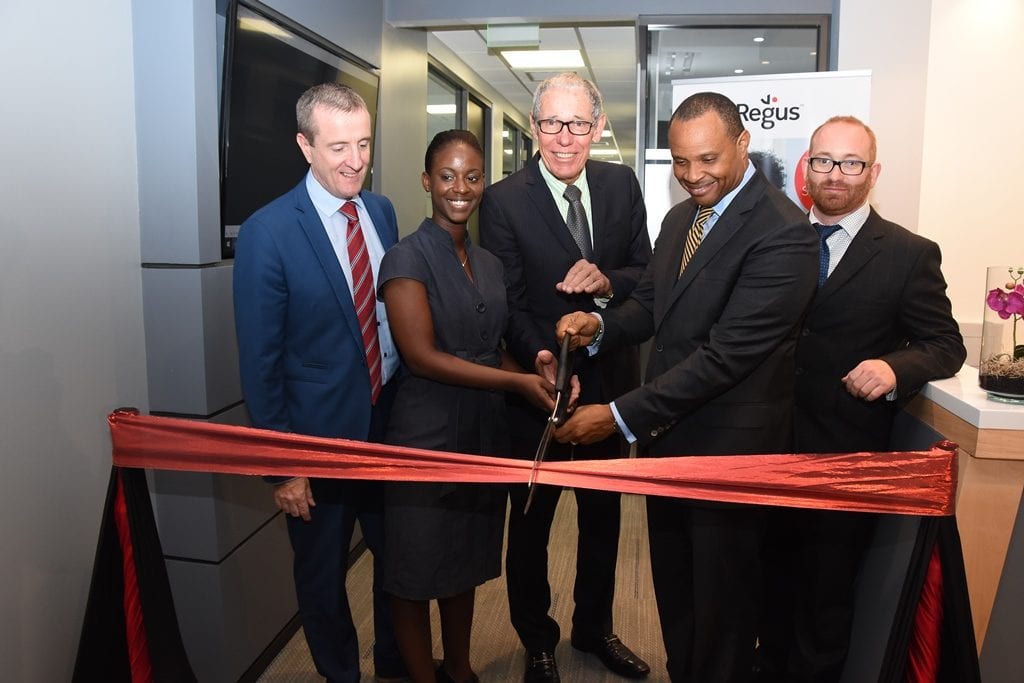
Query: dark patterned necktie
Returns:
{"type": "Point", "coordinates": [695, 236]}
{"type": "Point", "coordinates": [363, 296]}
{"type": "Point", "coordinates": [576, 221]}
{"type": "Point", "coordinates": [824, 232]}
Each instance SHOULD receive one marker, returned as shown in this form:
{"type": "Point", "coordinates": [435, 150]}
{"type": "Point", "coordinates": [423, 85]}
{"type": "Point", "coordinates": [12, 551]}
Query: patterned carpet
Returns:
{"type": "Point", "coordinates": [497, 654]}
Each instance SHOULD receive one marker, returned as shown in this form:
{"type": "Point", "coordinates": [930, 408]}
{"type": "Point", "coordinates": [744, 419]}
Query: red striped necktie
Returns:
{"type": "Point", "coordinates": [364, 296]}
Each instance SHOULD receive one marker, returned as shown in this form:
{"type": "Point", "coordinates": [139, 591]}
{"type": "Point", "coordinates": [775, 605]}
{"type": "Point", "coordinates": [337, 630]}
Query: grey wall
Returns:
{"type": "Point", "coordinates": [71, 337]}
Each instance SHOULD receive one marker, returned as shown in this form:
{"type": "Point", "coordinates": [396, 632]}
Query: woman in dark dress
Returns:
{"type": "Point", "coordinates": [445, 299]}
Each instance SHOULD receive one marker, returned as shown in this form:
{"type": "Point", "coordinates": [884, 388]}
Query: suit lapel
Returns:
{"type": "Point", "coordinates": [723, 231]}
{"type": "Point", "coordinates": [864, 247]}
{"type": "Point", "coordinates": [672, 242]}
{"type": "Point", "coordinates": [380, 221]}
{"type": "Point", "coordinates": [599, 195]}
{"type": "Point", "coordinates": [315, 232]}
{"type": "Point", "coordinates": [546, 210]}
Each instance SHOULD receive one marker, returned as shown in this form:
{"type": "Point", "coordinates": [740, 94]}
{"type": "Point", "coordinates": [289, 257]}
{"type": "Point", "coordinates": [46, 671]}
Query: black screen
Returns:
{"type": "Point", "coordinates": [268, 65]}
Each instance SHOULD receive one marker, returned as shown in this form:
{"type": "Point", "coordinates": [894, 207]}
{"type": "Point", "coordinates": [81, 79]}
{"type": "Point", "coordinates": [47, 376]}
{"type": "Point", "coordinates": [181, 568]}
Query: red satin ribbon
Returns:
{"type": "Point", "coordinates": [901, 482]}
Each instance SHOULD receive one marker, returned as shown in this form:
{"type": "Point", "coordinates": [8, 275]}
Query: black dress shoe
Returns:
{"type": "Point", "coordinates": [541, 668]}
{"type": "Point", "coordinates": [613, 654]}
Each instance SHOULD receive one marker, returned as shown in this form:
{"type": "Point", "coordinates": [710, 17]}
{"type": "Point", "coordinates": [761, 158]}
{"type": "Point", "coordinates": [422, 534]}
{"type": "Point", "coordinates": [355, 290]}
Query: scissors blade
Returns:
{"type": "Point", "coordinates": [542, 450]}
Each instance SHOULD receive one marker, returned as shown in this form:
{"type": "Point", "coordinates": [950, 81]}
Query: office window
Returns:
{"type": "Point", "coordinates": [711, 46]}
{"type": "Point", "coordinates": [442, 105]}
{"type": "Point", "coordinates": [516, 148]}
{"type": "Point", "coordinates": [450, 104]}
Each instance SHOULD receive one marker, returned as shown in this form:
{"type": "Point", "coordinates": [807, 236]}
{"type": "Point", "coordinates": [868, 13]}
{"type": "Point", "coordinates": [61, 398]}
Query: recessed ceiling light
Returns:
{"type": "Point", "coordinates": [604, 152]}
{"type": "Point", "coordinates": [737, 71]}
{"type": "Point", "coordinates": [814, 54]}
{"type": "Point", "coordinates": [759, 39]}
{"type": "Point", "coordinates": [440, 108]}
{"type": "Point", "coordinates": [765, 61]}
{"type": "Point", "coordinates": [606, 133]}
{"type": "Point", "coordinates": [262, 26]}
{"type": "Point", "coordinates": [543, 59]}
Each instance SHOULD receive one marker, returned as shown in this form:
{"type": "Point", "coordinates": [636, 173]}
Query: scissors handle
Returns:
{"type": "Point", "coordinates": [562, 382]}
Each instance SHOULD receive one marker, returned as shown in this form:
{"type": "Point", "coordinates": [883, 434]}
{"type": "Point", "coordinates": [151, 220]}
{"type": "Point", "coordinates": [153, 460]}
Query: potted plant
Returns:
{"type": "Point", "coordinates": [1001, 371]}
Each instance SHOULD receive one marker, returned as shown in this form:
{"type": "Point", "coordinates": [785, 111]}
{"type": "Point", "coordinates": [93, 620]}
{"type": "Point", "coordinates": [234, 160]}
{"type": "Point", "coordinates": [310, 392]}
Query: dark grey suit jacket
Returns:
{"type": "Point", "coordinates": [720, 374]}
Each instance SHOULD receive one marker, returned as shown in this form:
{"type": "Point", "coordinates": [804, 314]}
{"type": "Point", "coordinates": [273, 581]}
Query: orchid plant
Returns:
{"type": "Point", "coordinates": [1008, 303]}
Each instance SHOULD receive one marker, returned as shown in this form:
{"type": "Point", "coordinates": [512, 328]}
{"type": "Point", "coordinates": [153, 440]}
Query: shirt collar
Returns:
{"type": "Point", "coordinates": [851, 223]}
{"type": "Point", "coordinates": [324, 202]}
{"type": "Point", "coordinates": [725, 201]}
{"type": "Point", "coordinates": [557, 186]}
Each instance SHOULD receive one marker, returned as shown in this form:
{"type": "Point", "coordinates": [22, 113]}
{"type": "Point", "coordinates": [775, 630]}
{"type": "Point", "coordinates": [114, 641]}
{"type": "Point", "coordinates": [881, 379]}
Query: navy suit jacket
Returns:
{"type": "Point", "coordinates": [301, 354]}
{"type": "Point", "coordinates": [720, 372]}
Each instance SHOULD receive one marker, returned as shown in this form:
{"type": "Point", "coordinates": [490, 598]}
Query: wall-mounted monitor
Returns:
{"type": "Point", "coordinates": [269, 62]}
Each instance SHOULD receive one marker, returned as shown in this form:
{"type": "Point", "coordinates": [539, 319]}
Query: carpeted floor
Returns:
{"type": "Point", "coordinates": [497, 654]}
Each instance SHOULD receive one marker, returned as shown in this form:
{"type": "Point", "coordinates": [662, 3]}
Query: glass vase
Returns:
{"type": "Point", "coordinates": [1001, 370]}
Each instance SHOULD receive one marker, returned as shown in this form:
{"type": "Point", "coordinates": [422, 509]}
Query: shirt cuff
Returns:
{"type": "Point", "coordinates": [630, 438]}
{"type": "Point", "coordinates": [595, 345]}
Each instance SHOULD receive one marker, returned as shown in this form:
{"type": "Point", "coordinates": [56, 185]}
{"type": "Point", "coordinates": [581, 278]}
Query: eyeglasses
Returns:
{"type": "Point", "coordinates": [846, 166]}
{"type": "Point", "coordinates": [554, 126]}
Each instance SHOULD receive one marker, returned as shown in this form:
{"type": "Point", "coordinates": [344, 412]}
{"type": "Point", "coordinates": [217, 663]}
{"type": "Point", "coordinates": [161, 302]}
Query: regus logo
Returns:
{"type": "Point", "coordinates": [767, 112]}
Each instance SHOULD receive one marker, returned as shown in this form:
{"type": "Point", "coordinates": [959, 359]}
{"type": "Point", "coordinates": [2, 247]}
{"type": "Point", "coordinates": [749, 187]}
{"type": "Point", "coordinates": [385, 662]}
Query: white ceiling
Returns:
{"type": "Point", "coordinates": [610, 55]}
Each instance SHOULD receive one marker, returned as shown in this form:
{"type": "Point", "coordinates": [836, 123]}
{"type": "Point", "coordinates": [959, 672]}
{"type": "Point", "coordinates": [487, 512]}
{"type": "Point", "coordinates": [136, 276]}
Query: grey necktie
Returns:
{"type": "Point", "coordinates": [576, 221]}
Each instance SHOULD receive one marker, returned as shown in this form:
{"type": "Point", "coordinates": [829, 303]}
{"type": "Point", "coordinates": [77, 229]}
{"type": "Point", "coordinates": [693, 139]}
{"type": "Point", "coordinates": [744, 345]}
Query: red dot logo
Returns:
{"type": "Point", "coordinates": [800, 183]}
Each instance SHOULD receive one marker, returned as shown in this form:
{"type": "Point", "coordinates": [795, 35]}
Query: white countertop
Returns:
{"type": "Point", "coordinates": [962, 396]}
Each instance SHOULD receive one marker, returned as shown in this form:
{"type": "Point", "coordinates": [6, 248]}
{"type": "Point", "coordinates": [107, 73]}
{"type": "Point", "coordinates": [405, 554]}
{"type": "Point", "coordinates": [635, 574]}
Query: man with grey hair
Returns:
{"type": "Point", "coordinates": [572, 234]}
{"type": "Point", "coordinates": [316, 355]}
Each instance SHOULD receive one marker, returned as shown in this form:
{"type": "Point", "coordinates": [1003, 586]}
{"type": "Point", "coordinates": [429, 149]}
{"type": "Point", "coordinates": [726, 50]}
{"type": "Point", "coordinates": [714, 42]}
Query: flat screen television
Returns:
{"type": "Point", "coordinates": [269, 62]}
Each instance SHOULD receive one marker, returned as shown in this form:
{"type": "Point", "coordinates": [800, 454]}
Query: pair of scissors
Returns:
{"type": "Point", "coordinates": [557, 417]}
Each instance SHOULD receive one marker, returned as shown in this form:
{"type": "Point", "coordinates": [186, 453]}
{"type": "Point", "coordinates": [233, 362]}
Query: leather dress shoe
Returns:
{"type": "Point", "coordinates": [541, 668]}
{"type": "Point", "coordinates": [614, 655]}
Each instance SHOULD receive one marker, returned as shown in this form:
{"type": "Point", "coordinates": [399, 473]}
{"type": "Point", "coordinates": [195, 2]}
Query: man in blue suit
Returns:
{"type": "Point", "coordinates": [313, 362]}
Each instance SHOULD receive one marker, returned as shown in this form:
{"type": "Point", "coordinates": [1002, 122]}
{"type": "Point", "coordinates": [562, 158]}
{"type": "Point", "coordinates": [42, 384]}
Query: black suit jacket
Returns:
{"type": "Point", "coordinates": [520, 223]}
{"type": "Point", "coordinates": [720, 373]}
{"type": "Point", "coordinates": [886, 299]}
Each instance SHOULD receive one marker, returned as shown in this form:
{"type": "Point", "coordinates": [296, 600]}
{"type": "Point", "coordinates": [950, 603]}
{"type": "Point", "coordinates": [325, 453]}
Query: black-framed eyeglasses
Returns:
{"type": "Point", "coordinates": [846, 166]}
{"type": "Point", "coordinates": [554, 126]}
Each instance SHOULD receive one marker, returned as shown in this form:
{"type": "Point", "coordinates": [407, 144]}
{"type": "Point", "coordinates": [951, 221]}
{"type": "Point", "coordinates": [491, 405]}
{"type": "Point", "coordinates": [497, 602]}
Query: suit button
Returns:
{"type": "Point", "coordinates": [484, 336]}
{"type": "Point", "coordinates": [659, 348]}
{"type": "Point", "coordinates": [654, 432]}
{"type": "Point", "coordinates": [805, 332]}
{"type": "Point", "coordinates": [481, 307]}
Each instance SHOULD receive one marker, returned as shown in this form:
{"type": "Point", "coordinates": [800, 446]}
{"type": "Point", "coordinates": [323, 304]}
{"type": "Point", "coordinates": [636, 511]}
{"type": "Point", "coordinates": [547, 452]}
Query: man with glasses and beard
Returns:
{"type": "Point", "coordinates": [879, 327]}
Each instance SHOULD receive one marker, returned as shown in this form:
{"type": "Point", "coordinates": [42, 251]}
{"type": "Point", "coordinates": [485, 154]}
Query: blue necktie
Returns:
{"type": "Point", "coordinates": [824, 232]}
